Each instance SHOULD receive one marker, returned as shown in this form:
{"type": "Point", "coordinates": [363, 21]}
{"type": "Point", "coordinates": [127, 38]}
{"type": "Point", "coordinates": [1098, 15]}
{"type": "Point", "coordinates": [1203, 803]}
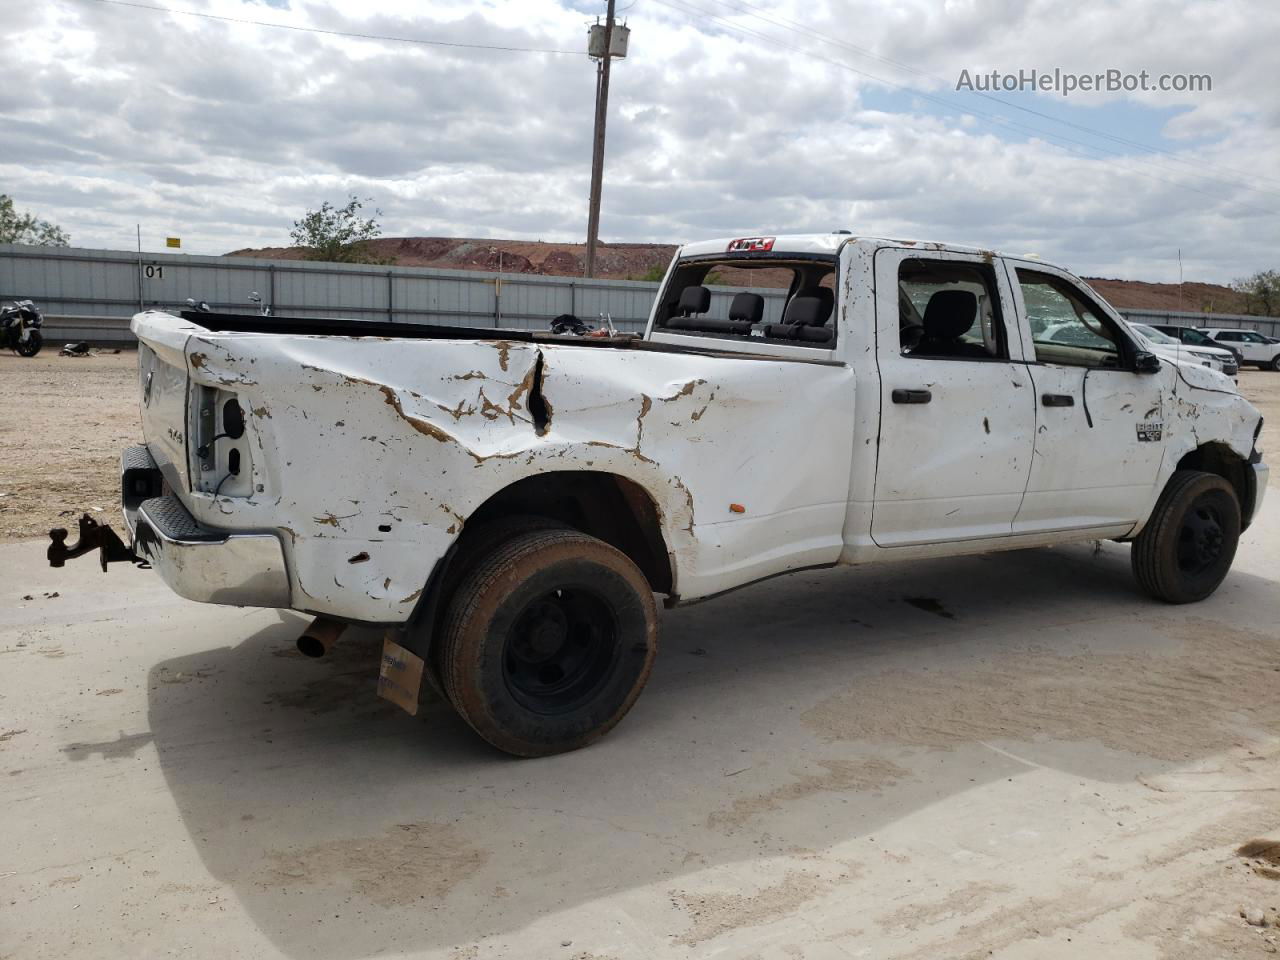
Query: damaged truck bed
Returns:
{"type": "Point", "coordinates": [509, 503]}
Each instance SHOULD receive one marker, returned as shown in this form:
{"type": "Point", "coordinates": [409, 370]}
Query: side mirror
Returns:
{"type": "Point", "coordinates": [1144, 362]}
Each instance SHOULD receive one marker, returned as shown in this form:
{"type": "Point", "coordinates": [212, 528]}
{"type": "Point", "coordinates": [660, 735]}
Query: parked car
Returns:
{"type": "Point", "coordinates": [1253, 347]}
{"type": "Point", "coordinates": [508, 503]}
{"type": "Point", "coordinates": [1196, 338]}
{"type": "Point", "coordinates": [1215, 358]}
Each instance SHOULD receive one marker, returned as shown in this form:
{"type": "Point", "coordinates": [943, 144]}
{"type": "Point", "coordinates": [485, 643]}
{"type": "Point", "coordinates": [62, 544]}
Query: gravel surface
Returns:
{"type": "Point", "coordinates": [63, 422]}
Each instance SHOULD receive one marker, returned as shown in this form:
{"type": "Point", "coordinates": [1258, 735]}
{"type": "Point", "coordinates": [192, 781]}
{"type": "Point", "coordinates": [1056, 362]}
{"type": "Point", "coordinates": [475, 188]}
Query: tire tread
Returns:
{"type": "Point", "coordinates": [1150, 545]}
{"type": "Point", "coordinates": [472, 590]}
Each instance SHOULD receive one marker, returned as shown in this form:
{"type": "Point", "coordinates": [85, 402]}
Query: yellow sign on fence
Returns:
{"type": "Point", "coordinates": [173, 241]}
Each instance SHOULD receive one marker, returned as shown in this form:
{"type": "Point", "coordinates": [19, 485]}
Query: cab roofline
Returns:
{"type": "Point", "coordinates": [826, 243]}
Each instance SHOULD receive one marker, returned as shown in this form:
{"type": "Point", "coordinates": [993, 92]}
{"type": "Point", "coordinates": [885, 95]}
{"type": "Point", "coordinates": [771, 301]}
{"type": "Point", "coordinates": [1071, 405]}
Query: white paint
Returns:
{"type": "Point", "coordinates": [347, 436]}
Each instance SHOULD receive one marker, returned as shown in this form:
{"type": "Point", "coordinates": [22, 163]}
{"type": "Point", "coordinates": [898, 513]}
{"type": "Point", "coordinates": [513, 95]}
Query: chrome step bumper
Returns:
{"type": "Point", "coordinates": [198, 562]}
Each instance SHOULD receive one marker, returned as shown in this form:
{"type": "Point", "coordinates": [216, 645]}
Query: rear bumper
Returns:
{"type": "Point", "coordinates": [198, 562]}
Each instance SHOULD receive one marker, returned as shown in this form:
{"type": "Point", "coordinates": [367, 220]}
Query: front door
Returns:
{"type": "Point", "coordinates": [1099, 435]}
{"type": "Point", "coordinates": [957, 410]}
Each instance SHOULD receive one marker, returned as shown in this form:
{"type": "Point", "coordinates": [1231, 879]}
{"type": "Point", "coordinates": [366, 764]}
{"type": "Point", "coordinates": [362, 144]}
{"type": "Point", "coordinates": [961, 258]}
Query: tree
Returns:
{"type": "Point", "coordinates": [25, 228]}
{"type": "Point", "coordinates": [338, 234]}
{"type": "Point", "coordinates": [1261, 293]}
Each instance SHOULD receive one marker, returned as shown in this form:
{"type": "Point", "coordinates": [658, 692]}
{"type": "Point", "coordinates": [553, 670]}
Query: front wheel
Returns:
{"type": "Point", "coordinates": [1186, 548]}
{"type": "Point", "coordinates": [1275, 363]}
{"type": "Point", "coordinates": [548, 641]}
{"type": "Point", "coordinates": [31, 346]}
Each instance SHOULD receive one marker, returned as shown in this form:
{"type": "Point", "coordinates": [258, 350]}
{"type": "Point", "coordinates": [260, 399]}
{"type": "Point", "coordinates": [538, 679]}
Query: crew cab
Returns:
{"type": "Point", "coordinates": [509, 504]}
{"type": "Point", "coordinates": [1252, 346]}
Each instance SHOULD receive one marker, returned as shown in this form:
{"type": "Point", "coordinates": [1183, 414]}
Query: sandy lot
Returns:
{"type": "Point", "coordinates": [1038, 763]}
{"type": "Point", "coordinates": [63, 423]}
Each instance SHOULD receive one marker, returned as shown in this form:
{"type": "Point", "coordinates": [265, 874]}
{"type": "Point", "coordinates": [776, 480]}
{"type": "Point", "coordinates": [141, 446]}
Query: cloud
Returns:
{"type": "Point", "coordinates": [225, 133]}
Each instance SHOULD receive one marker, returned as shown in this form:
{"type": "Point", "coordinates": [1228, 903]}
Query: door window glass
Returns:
{"type": "Point", "coordinates": [1065, 328]}
{"type": "Point", "coordinates": [949, 311]}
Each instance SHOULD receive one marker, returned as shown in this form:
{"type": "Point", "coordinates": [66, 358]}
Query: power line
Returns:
{"type": "Point", "coordinates": [794, 26]}
{"type": "Point", "coordinates": [336, 33]}
{"type": "Point", "coordinates": [997, 119]}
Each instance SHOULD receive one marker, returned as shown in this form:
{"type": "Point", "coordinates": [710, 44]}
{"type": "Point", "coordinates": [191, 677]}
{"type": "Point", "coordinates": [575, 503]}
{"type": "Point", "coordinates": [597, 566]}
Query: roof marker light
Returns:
{"type": "Point", "coordinates": [751, 245]}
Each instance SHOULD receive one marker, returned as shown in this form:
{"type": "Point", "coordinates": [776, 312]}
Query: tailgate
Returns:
{"type": "Point", "coordinates": [162, 393]}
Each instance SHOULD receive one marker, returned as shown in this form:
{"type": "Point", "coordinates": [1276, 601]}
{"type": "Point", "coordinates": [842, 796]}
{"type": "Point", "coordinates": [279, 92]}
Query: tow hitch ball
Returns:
{"type": "Point", "coordinates": [93, 535]}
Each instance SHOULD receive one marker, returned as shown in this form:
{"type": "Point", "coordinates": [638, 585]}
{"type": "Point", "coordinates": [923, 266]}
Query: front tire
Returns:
{"type": "Point", "coordinates": [1186, 548]}
{"type": "Point", "coordinates": [31, 346]}
{"type": "Point", "coordinates": [548, 641]}
{"type": "Point", "coordinates": [1275, 363]}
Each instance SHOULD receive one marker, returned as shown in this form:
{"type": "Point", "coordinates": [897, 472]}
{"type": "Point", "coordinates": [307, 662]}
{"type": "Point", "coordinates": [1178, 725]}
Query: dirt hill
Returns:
{"type": "Point", "coordinates": [1197, 297]}
{"type": "Point", "coordinates": [640, 261]}
{"type": "Point", "coordinates": [616, 261]}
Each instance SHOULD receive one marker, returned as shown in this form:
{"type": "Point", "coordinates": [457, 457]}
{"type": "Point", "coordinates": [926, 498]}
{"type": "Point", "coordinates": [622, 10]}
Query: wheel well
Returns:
{"type": "Point", "coordinates": [603, 505]}
{"type": "Point", "coordinates": [1220, 459]}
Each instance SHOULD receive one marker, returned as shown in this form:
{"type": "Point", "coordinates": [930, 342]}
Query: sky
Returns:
{"type": "Point", "coordinates": [727, 118]}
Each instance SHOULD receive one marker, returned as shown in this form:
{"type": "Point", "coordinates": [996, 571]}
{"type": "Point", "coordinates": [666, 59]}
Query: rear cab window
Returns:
{"type": "Point", "coordinates": [757, 295]}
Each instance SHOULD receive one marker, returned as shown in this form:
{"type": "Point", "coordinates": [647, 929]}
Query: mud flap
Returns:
{"type": "Point", "coordinates": [399, 675]}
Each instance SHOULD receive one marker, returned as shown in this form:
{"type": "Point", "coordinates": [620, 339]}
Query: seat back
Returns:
{"type": "Point", "coordinates": [694, 300]}
{"type": "Point", "coordinates": [949, 315]}
{"type": "Point", "coordinates": [747, 307]}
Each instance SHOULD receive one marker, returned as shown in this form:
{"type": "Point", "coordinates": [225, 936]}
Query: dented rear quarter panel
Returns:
{"type": "Point", "coordinates": [350, 436]}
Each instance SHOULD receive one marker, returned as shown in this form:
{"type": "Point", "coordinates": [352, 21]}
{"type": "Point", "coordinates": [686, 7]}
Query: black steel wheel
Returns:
{"type": "Point", "coordinates": [1189, 542]}
{"type": "Point", "coordinates": [548, 641]}
{"type": "Point", "coordinates": [559, 650]}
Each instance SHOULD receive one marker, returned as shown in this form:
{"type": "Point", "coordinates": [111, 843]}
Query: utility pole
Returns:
{"type": "Point", "coordinates": [602, 111]}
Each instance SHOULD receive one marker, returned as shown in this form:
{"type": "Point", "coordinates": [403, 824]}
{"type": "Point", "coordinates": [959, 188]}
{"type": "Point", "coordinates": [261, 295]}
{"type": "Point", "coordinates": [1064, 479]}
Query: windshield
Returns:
{"type": "Point", "coordinates": [782, 297]}
{"type": "Point", "coordinates": [1196, 337]}
{"type": "Point", "coordinates": [1152, 334]}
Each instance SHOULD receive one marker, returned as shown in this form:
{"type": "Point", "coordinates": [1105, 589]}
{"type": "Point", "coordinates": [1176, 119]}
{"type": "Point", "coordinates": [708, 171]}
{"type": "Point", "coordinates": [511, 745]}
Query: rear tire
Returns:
{"type": "Point", "coordinates": [31, 346]}
{"type": "Point", "coordinates": [548, 641]}
{"type": "Point", "coordinates": [1275, 363]}
{"type": "Point", "coordinates": [1185, 550]}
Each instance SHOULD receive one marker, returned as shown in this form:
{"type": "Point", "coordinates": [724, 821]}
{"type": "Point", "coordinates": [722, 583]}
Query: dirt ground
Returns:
{"type": "Point", "coordinates": [1006, 757]}
{"type": "Point", "coordinates": [64, 420]}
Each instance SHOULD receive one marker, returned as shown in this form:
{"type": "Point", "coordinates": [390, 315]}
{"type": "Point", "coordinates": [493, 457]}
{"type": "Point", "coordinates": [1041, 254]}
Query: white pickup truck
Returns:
{"type": "Point", "coordinates": [509, 503]}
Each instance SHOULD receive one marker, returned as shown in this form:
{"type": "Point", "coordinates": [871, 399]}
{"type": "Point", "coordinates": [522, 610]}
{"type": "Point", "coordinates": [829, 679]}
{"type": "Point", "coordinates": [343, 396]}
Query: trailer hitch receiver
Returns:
{"type": "Point", "coordinates": [93, 535]}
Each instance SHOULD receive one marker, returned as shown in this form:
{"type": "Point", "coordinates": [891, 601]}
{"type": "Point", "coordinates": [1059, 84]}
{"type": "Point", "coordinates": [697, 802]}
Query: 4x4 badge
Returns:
{"type": "Point", "coordinates": [1149, 432]}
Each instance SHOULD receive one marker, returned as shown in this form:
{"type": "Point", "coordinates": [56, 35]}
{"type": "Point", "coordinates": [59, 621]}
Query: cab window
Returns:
{"type": "Point", "coordinates": [949, 310]}
{"type": "Point", "coordinates": [784, 297]}
{"type": "Point", "coordinates": [1065, 328]}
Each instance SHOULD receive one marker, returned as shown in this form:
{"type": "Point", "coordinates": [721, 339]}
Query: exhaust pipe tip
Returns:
{"type": "Point", "coordinates": [319, 637]}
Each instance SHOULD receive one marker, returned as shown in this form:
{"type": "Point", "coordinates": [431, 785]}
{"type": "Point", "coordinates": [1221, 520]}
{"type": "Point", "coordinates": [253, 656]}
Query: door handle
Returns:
{"type": "Point", "coordinates": [1057, 400]}
{"type": "Point", "coordinates": [911, 396]}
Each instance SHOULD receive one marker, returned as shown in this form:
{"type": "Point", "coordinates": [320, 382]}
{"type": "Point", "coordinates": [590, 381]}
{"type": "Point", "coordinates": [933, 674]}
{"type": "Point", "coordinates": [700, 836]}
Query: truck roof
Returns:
{"type": "Point", "coordinates": [818, 243]}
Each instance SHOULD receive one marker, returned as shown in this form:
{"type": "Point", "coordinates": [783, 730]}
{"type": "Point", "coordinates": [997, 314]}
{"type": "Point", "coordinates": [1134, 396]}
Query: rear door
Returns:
{"type": "Point", "coordinates": [1099, 435]}
{"type": "Point", "coordinates": [957, 411]}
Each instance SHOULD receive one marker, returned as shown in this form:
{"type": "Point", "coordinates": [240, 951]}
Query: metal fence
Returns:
{"type": "Point", "coordinates": [90, 294]}
{"type": "Point", "coordinates": [84, 284]}
{"type": "Point", "coordinates": [1185, 318]}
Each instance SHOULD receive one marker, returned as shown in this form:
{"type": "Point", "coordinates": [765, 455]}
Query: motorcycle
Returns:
{"type": "Point", "coordinates": [20, 328]}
